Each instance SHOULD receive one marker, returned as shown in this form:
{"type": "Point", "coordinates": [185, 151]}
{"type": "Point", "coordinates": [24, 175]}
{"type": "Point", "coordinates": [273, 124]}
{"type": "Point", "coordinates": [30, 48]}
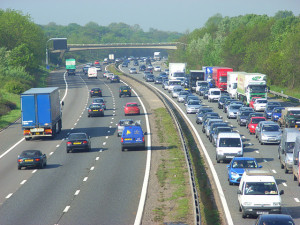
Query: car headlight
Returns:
{"type": "Point", "coordinates": [276, 203]}
{"type": "Point", "coordinates": [234, 174]}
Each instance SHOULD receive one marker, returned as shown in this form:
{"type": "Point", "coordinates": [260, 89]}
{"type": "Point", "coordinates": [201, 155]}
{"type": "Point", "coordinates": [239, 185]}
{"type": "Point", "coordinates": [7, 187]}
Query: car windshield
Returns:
{"type": "Point", "coordinates": [278, 110]}
{"type": "Point", "coordinates": [95, 106]}
{"type": "Point", "coordinates": [178, 74]}
{"type": "Point", "coordinates": [245, 113]}
{"type": "Point", "coordinates": [98, 100]}
{"type": "Point", "coordinates": [261, 188]}
{"type": "Point", "coordinates": [234, 86]}
{"type": "Point", "coordinates": [223, 79]}
{"type": "Point", "coordinates": [257, 88]}
{"type": "Point", "coordinates": [126, 122]}
{"type": "Point", "coordinates": [235, 107]}
{"type": "Point", "coordinates": [270, 128]}
{"type": "Point", "coordinates": [289, 147]}
{"type": "Point", "coordinates": [194, 103]}
{"type": "Point", "coordinates": [261, 101]}
{"type": "Point", "coordinates": [132, 105]}
{"type": "Point", "coordinates": [230, 142]}
{"type": "Point", "coordinates": [223, 129]}
{"type": "Point", "coordinates": [244, 164]}
{"type": "Point", "coordinates": [257, 120]}
{"type": "Point", "coordinates": [77, 136]}
{"type": "Point", "coordinates": [183, 93]}
{"type": "Point", "coordinates": [270, 108]}
{"type": "Point", "coordinates": [30, 154]}
{"type": "Point", "coordinates": [215, 92]}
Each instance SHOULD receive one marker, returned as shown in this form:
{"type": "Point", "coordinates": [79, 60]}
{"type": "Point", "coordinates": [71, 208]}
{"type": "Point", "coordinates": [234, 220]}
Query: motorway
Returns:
{"type": "Point", "coordinates": [266, 155]}
{"type": "Point", "coordinates": [98, 187]}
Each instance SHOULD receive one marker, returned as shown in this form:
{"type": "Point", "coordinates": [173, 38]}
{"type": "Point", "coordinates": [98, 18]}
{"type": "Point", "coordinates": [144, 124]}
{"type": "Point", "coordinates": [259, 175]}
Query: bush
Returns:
{"type": "Point", "coordinates": [4, 109]}
{"type": "Point", "coordinates": [15, 87]}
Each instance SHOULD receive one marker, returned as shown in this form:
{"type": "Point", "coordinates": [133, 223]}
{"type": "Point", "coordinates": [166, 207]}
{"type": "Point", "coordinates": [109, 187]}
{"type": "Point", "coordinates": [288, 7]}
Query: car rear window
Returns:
{"type": "Point", "coordinates": [77, 136]}
{"type": "Point", "coordinates": [230, 142]}
{"type": "Point", "coordinates": [132, 105]}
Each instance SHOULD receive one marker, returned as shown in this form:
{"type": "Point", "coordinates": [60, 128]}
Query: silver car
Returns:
{"type": "Point", "coordinates": [193, 106]}
{"type": "Point", "coordinates": [182, 95]}
{"type": "Point", "coordinates": [232, 110]}
{"type": "Point", "coordinates": [126, 122]}
{"type": "Point", "coordinates": [268, 132]}
{"type": "Point", "coordinates": [176, 91]}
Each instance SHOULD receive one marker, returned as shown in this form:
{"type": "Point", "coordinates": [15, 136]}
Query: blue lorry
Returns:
{"type": "Point", "coordinates": [41, 112]}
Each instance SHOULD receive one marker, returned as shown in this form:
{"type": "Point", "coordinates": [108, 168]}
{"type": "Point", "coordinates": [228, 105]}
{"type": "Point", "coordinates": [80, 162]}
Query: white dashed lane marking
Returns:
{"type": "Point", "coordinates": [34, 171]}
{"type": "Point", "coordinates": [9, 195]}
{"type": "Point", "coordinates": [284, 184]}
{"type": "Point", "coordinates": [296, 200]}
{"type": "Point", "coordinates": [108, 131]}
{"type": "Point", "coordinates": [97, 158]}
{"type": "Point", "coordinates": [77, 192]}
{"type": "Point", "coordinates": [257, 152]}
{"type": "Point", "coordinates": [85, 179]}
{"type": "Point", "coordinates": [106, 137]}
{"type": "Point", "coordinates": [66, 209]}
{"type": "Point", "coordinates": [23, 182]}
{"type": "Point", "coordinates": [104, 143]}
{"type": "Point", "coordinates": [92, 168]}
{"type": "Point", "coordinates": [274, 171]}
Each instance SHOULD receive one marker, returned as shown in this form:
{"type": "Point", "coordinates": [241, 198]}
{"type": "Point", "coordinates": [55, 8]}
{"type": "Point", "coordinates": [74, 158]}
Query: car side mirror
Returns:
{"type": "Point", "coordinates": [281, 192]}
{"type": "Point", "coordinates": [228, 166]}
{"type": "Point", "coordinates": [145, 133]}
{"type": "Point", "coordinates": [260, 166]}
{"type": "Point", "coordinates": [239, 192]}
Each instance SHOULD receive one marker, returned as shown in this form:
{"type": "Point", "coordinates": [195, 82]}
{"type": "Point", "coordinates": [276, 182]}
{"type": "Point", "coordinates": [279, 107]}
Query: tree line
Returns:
{"type": "Point", "coordinates": [251, 43]}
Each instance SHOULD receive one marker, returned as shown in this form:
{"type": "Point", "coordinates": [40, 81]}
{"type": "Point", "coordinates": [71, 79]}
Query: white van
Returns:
{"type": "Point", "coordinates": [172, 84]}
{"type": "Point", "coordinates": [228, 146]}
{"type": "Point", "coordinates": [92, 72]}
{"type": "Point", "coordinates": [214, 94]}
{"type": "Point", "coordinates": [258, 193]}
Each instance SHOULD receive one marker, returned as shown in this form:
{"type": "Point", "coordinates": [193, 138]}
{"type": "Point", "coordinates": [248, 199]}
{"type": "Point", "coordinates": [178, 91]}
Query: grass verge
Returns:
{"type": "Point", "coordinates": [113, 70]}
{"type": "Point", "coordinates": [13, 115]}
{"type": "Point", "coordinates": [171, 173]}
{"type": "Point", "coordinates": [290, 92]}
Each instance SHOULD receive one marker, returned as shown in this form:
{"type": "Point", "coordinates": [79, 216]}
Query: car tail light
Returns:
{"type": "Point", "coordinates": [90, 110]}
{"type": "Point", "coordinates": [26, 132]}
{"type": "Point", "coordinates": [143, 139]}
{"type": "Point", "coordinates": [48, 131]}
{"type": "Point", "coordinates": [69, 143]}
{"type": "Point", "coordinates": [92, 91]}
{"type": "Point", "coordinates": [120, 90]}
{"type": "Point", "coordinates": [84, 142]}
{"type": "Point", "coordinates": [122, 139]}
{"type": "Point", "coordinates": [37, 160]}
{"type": "Point", "coordinates": [20, 160]}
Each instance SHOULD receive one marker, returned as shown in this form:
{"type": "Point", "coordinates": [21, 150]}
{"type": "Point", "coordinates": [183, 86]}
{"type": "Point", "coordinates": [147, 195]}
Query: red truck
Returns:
{"type": "Point", "coordinates": [220, 77]}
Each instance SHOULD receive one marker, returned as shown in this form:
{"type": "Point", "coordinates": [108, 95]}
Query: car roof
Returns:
{"type": "Point", "coordinates": [244, 158]}
{"type": "Point", "coordinates": [131, 103]}
{"type": "Point", "coordinates": [229, 135]}
{"type": "Point", "coordinates": [30, 151]}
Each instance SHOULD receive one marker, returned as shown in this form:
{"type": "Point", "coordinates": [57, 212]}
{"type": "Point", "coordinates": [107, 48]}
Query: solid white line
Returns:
{"type": "Point", "coordinates": [85, 179]}
{"type": "Point", "coordinates": [112, 118]}
{"type": "Point", "coordinates": [11, 148]}
{"type": "Point", "coordinates": [97, 158]}
{"type": "Point", "coordinates": [9, 195]}
{"type": "Point", "coordinates": [66, 209]}
{"type": "Point", "coordinates": [34, 171]}
{"type": "Point", "coordinates": [296, 200]}
{"type": "Point", "coordinates": [77, 192]}
{"type": "Point", "coordinates": [23, 182]}
{"type": "Point", "coordinates": [92, 168]}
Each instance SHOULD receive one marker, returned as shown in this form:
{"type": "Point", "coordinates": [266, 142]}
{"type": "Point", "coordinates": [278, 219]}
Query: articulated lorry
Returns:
{"type": "Point", "coordinates": [251, 85]}
{"type": "Point", "coordinates": [41, 112]}
{"type": "Point", "coordinates": [176, 70]}
{"type": "Point", "coordinates": [71, 66]}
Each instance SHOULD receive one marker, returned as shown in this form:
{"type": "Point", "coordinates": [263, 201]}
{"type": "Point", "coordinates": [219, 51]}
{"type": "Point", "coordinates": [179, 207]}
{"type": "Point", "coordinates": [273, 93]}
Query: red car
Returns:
{"type": "Point", "coordinates": [253, 123]}
{"type": "Point", "coordinates": [252, 101]}
{"type": "Point", "coordinates": [131, 108]}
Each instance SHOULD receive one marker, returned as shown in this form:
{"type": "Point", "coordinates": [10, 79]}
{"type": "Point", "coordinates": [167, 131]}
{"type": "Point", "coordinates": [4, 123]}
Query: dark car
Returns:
{"type": "Point", "coordinates": [124, 90]}
{"type": "Point", "coordinates": [95, 110]}
{"type": "Point", "coordinates": [96, 92]}
{"type": "Point", "coordinates": [132, 137]}
{"type": "Point", "coordinates": [142, 68]}
{"type": "Point", "coordinates": [268, 111]}
{"type": "Point", "coordinates": [242, 117]}
{"type": "Point", "coordinates": [252, 115]}
{"type": "Point", "coordinates": [124, 64]}
{"type": "Point", "coordinates": [227, 102]}
{"type": "Point", "coordinates": [205, 94]}
{"type": "Point", "coordinates": [78, 141]}
{"type": "Point", "coordinates": [276, 113]}
{"type": "Point", "coordinates": [135, 63]}
{"type": "Point", "coordinates": [32, 158]}
{"type": "Point", "coordinates": [115, 78]}
{"type": "Point", "coordinates": [201, 113]}
{"type": "Point", "coordinates": [158, 80]}
{"type": "Point", "coordinates": [219, 130]}
{"type": "Point", "coordinates": [275, 219]}
{"type": "Point", "coordinates": [222, 100]}
{"type": "Point", "coordinates": [213, 127]}
{"type": "Point", "coordinates": [85, 70]}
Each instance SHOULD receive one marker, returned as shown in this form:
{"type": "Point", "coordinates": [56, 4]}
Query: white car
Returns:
{"type": "Point", "coordinates": [157, 69]}
{"type": "Point", "coordinates": [132, 70]}
{"type": "Point", "coordinates": [260, 104]}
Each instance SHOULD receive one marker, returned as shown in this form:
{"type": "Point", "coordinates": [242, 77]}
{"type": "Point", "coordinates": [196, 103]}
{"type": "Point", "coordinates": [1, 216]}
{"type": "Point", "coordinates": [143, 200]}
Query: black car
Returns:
{"type": "Point", "coordinates": [201, 113]}
{"type": "Point", "coordinates": [96, 92]}
{"type": "Point", "coordinates": [85, 70]}
{"type": "Point", "coordinates": [205, 94]}
{"type": "Point", "coordinates": [78, 141]}
{"type": "Point", "coordinates": [227, 102]}
{"type": "Point", "coordinates": [115, 78]}
{"type": "Point", "coordinates": [275, 219]}
{"type": "Point", "coordinates": [135, 63]}
{"type": "Point", "coordinates": [32, 158]}
{"type": "Point", "coordinates": [95, 110]}
{"type": "Point", "coordinates": [124, 90]}
{"type": "Point", "coordinates": [222, 100]}
{"type": "Point", "coordinates": [158, 80]}
{"type": "Point", "coordinates": [142, 67]}
{"type": "Point", "coordinates": [150, 78]}
{"type": "Point", "coordinates": [213, 129]}
{"type": "Point", "coordinates": [242, 117]}
{"type": "Point", "coordinates": [253, 114]}
{"type": "Point", "coordinates": [124, 64]}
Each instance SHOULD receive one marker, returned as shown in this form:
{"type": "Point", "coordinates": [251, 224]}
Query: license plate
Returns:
{"type": "Point", "coordinates": [28, 160]}
{"type": "Point", "coordinates": [128, 139]}
{"type": "Point", "coordinates": [96, 91]}
{"type": "Point", "coordinates": [37, 133]}
{"type": "Point", "coordinates": [262, 212]}
{"type": "Point", "coordinates": [230, 156]}
{"type": "Point", "coordinates": [95, 110]}
{"type": "Point", "coordinates": [125, 90]}
{"type": "Point", "coordinates": [77, 143]}
{"type": "Point", "coordinates": [37, 130]}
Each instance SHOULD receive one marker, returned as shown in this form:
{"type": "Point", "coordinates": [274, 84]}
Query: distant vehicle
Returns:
{"type": "Point", "coordinates": [124, 64]}
{"type": "Point", "coordinates": [290, 117]}
{"type": "Point", "coordinates": [95, 92]}
{"type": "Point", "coordinates": [219, 77]}
{"type": "Point", "coordinates": [95, 110]}
{"type": "Point", "coordinates": [195, 78]}
{"type": "Point", "coordinates": [176, 70]}
{"type": "Point", "coordinates": [276, 113]}
{"type": "Point", "coordinates": [150, 78]}
{"type": "Point", "coordinates": [85, 69]}
{"type": "Point", "coordinates": [115, 78]}
{"type": "Point", "coordinates": [92, 72]}
{"type": "Point", "coordinates": [71, 66]}
{"type": "Point", "coordinates": [268, 132]}
{"type": "Point", "coordinates": [260, 104]}
{"type": "Point", "coordinates": [158, 80]}
{"type": "Point", "coordinates": [135, 63]}
{"type": "Point", "coordinates": [132, 70]}
{"type": "Point", "coordinates": [121, 125]}
{"type": "Point", "coordinates": [192, 106]}
{"type": "Point", "coordinates": [131, 108]}
{"type": "Point", "coordinates": [142, 67]}
{"type": "Point", "coordinates": [98, 67]}
{"type": "Point", "coordinates": [157, 69]}
{"type": "Point", "coordinates": [214, 94]}
{"type": "Point", "coordinates": [32, 158]}
{"type": "Point", "coordinates": [78, 141]}
{"type": "Point", "coordinates": [124, 90]}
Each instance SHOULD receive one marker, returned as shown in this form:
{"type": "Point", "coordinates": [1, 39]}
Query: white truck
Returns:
{"type": "Point", "coordinates": [111, 57]}
{"type": "Point", "coordinates": [251, 85]}
{"type": "Point", "coordinates": [177, 70]}
{"type": "Point", "coordinates": [232, 83]}
{"type": "Point", "coordinates": [157, 56]}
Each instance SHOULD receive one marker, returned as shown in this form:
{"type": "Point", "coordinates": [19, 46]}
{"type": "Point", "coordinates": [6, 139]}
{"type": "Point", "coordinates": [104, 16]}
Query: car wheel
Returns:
{"type": "Point", "coordinates": [286, 170]}
{"type": "Point", "coordinates": [89, 115]}
{"type": "Point", "coordinates": [122, 148]}
{"type": "Point", "coordinates": [27, 138]}
{"type": "Point", "coordinates": [230, 183]}
{"type": "Point", "coordinates": [41, 166]}
{"type": "Point", "coordinates": [244, 215]}
{"type": "Point", "coordinates": [68, 150]}
{"type": "Point", "coordinates": [240, 209]}
{"type": "Point", "coordinates": [281, 166]}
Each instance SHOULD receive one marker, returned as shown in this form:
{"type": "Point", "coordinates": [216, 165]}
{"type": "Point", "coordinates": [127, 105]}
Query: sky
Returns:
{"type": "Point", "coordinates": [166, 15]}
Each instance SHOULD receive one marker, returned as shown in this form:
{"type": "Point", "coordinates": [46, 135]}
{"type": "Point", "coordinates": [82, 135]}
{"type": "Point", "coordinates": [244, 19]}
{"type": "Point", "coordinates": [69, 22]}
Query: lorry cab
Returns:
{"type": "Point", "coordinates": [286, 147]}
{"type": "Point", "coordinates": [132, 137]}
{"type": "Point", "coordinates": [258, 193]}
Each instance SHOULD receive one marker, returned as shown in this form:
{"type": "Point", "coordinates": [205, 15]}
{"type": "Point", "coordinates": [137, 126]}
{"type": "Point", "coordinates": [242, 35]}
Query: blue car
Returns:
{"type": "Point", "coordinates": [237, 167]}
{"type": "Point", "coordinates": [276, 113]}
